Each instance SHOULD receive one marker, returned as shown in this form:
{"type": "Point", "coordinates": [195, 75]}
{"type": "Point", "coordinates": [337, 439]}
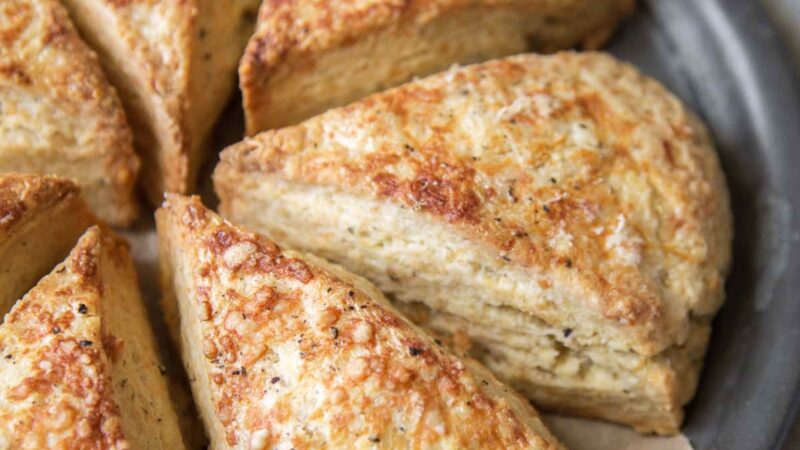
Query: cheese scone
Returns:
{"type": "Point", "coordinates": [41, 219]}
{"type": "Point", "coordinates": [565, 211]}
{"type": "Point", "coordinates": [79, 368]}
{"type": "Point", "coordinates": [285, 350]}
{"type": "Point", "coordinates": [309, 56]}
{"type": "Point", "coordinates": [58, 114]}
{"type": "Point", "coordinates": [174, 64]}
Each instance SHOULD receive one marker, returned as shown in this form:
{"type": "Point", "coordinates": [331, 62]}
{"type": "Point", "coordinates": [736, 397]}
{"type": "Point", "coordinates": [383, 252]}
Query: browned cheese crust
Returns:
{"type": "Point", "coordinates": [593, 200]}
{"type": "Point", "coordinates": [58, 114]}
{"type": "Point", "coordinates": [55, 388]}
{"type": "Point", "coordinates": [287, 353]}
{"type": "Point", "coordinates": [78, 366]}
{"type": "Point", "coordinates": [308, 56]}
{"type": "Point", "coordinates": [23, 196]}
{"type": "Point", "coordinates": [472, 148]}
{"type": "Point", "coordinates": [41, 218]}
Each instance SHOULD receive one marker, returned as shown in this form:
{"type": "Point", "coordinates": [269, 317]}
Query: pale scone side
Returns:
{"type": "Point", "coordinates": [41, 219]}
{"type": "Point", "coordinates": [79, 367]}
{"type": "Point", "coordinates": [566, 197]}
{"type": "Point", "coordinates": [287, 350]}
{"type": "Point", "coordinates": [58, 113]}
{"type": "Point", "coordinates": [174, 64]}
{"type": "Point", "coordinates": [307, 57]}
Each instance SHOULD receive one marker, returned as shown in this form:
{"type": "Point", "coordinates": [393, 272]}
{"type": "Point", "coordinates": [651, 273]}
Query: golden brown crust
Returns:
{"type": "Point", "coordinates": [293, 27]}
{"type": "Point", "coordinates": [574, 165]}
{"type": "Point", "coordinates": [58, 108]}
{"type": "Point", "coordinates": [41, 218]}
{"type": "Point", "coordinates": [78, 364]}
{"type": "Point", "coordinates": [55, 389]}
{"type": "Point", "coordinates": [304, 31]}
{"type": "Point", "coordinates": [24, 195]}
{"type": "Point", "coordinates": [299, 355]}
{"type": "Point", "coordinates": [175, 63]}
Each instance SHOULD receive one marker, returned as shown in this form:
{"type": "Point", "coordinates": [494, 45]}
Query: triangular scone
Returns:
{"type": "Point", "coordinates": [309, 56]}
{"type": "Point", "coordinates": [78, 364]}
{"type": "Point", "coordinates": [41, 219]}
{"type": "Point", "coordinates": [568, 210]}
{"type": "Point", "coordinates": [174, 64]}
{"type": "Point", "coordinates": [285, 350]}
{"type": "Point", "coordinates": [58, 114]}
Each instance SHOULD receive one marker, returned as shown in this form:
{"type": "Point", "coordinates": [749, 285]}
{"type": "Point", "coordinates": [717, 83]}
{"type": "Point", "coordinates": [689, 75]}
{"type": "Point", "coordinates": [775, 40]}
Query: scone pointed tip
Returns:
{"type": "Point", "coordinates": [80, 366]}
{"type": "Point", "coordinates": [281, 342]}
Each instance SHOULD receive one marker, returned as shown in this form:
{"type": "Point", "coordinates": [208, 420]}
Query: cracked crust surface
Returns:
{"type": "Point", "coordinates": [78, 368]}
{"type": "Point", "coordinates": [174, 63]}
{"type": "Point", "coordinates": [306, 57]}
{"type": "Point", "coordinates": [58, 114]}
{"type": "Point", "coordinates": [288, 350]}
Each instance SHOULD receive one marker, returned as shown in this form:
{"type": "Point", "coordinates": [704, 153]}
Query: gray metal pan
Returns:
{"type": "Point", "coordinates": [725, 60]}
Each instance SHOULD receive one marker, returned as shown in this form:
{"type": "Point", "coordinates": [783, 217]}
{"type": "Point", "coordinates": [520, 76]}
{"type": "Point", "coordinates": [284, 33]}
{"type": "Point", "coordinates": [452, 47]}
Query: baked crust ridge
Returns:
{"type": "Point", "coordinates": [569, 188]}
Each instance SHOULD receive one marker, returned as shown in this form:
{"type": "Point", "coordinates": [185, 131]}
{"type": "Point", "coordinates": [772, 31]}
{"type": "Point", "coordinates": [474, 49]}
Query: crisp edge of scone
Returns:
{"type": "Point", "coordinates": [114, 198]}
{"type": "Point", "coordinates": [277, 41]}
{"type": "Point", "coordinates": [170, 136]}
{"type": "Point", "coordinates": [25, 200]}
{"type": "Point", "coordinates": [63, 327]}
{"type": "Point", "coordinates": [22, 196]}
{"type": "Point", "coordinates": [669, 380]}
{"type": "Point", "coordinates": [653, 404]}
{"type": "Point", "coordinates": [632, 308]}
{"type": "Point", "coordinates": [185, 218]}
